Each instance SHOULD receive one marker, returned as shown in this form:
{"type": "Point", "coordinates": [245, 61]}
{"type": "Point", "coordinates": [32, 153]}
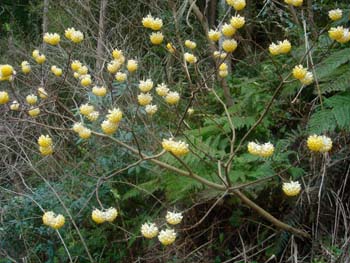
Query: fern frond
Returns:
{"type": "Point", "coordinates": [329, 65]}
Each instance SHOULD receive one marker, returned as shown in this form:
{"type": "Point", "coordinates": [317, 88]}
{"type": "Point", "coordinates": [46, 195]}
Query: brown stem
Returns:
{"type": "Point", "coordinates": [268, 216]}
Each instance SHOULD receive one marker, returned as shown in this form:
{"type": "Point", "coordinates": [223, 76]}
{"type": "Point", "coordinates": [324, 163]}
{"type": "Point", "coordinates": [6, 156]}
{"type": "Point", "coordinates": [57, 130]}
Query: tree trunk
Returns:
{"type": "Point", "coordinates": [101, 33]}
{"type": "Point", "coordinates": [45, 20]}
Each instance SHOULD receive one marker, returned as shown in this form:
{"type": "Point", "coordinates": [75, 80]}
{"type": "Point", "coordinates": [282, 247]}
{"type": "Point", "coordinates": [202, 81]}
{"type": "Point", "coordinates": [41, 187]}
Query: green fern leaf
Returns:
{"type": "Point", "coordinates": [329, 65]}
{"type": "Point", "coordinates": [322, 121]}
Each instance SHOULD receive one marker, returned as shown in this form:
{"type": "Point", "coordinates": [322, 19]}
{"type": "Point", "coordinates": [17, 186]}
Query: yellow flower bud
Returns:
{"type": "Point", "coordinates": [292, 188]}
{"type": "Point", "coordinates": [42, 93]}
{"type": "Point", "coordinates": [14, 105]}
{"type": "Point", "coordinates": [25, 67]}
{"type": "Point", "coordinates": [170, 48]}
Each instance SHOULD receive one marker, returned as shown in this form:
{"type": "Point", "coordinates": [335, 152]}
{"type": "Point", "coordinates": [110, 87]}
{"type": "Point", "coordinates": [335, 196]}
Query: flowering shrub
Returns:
{"type": "Point", "coordinates": [130, 121]}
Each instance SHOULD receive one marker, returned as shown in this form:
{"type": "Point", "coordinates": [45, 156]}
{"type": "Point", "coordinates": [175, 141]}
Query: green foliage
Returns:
{"type": "Point", "coordinates": [335, 114]}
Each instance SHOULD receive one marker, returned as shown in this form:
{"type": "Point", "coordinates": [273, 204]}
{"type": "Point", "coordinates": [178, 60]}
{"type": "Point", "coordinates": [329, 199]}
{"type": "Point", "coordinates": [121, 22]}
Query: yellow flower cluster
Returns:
{"type": "Point", "coordinates": [120, 76]}
{"type": "Point", "coordinates": [178, 148]}
{"type": "Point", "coordinates": [229, 45]}
{"type": "Point", "coordinates": [282, 47]}
{"type": "Point", "coordinates": [4, 97]}
{"type": "Point", "coordinates": [31, 99]}
{"type": "Point", "coordinates": [172, 97]}
{"type": "Point", "coordinates": [45, 145]}
{"type": "Point", "coordinates": [304, 76]}
{"type": "Point", "coordinates": [76, 65]}
{"type": "Point", "coordinates": [218, 54]}
{"type": "Point", "coordinates": [42, 93]}
{"type": "Point", "coordinates": [145, 85]}
{"type": "Point", "coordinates": [108, 215]}
{"type": "Point", "coordinates": [173, 218]}
{"type": "Point", "coordinates": [118, 55]}
{"type": "Point", "coordinates": [237, 4]}
{"type": "Point", "coordinates": [34, 111]}
{"type": "Point", "coordinates": [6, 72]}
{"type": "Point", "coordinates": [56, 71]}
{"type": "Point", "coordinates": [38, 57]}
{"type": "Point", "coordinates": [25, 67]}
{"type": "Point", "coordinates": [144, 99]}
{"type": "Point", "coordinates": [110, 125]}
{"type": "Point", "coordinates": [85, 80]}
{"type": "Point", "coordinates": [82, 131]}
{"type": "Point", "coordinates": [149, 230]}
{"type": "Point", "coordinates": [52, 220]}
{"type": "Point", "coordinates": [114, 66]}
{"type": "Point", "coordinates": [294, 2]}
{"type": "Point", "coordinates": [339, 34]}
{"type": "Point", "coordinates": [262, 150]}
{"type": "Point", "coordinates": [93, 116]}
{"type": "Point", "coordinates": [319, 143]}
{"type": "Point", "coordinates": [190, 44]}
{"type": "Point", "coordinates": [162, 89]}
{"type": "Point", "coordinates": [151, 109]}
{"type": "Point", "coordinates": [86, 109]}
{"type": "Point", "coordinates": [153, 23]}
{"type": "Point", "coordinates": [14, 105]}
{"type": "Point", "coordinates": [214, 35]}
{"type": "Point", "coordinates": [190, 58]}
{"type": "Point", "coordinates": [223, 70]}
{"type": "Point", "coordinates": [52, 38]}
{"type": "Point", "coordinates": [237, 21]}
{"type": "Point", "coordinates": [81, 72]}
{"type": "Point", "coordinates": [335, 14]}
{"type": "Point", "coordinates": [115, 115]}
{"type": "Point", "coordinates": [156, 38]}
{"type": "Point", "coordinates": [292, 188]}
{"type": "Point", "coordinates": [228, 30]}
{"type": "Point", "coordinates": [167, 237]}
{"type": "Point", "coordinates": [99, 91]}
{"type": "Point", "coordinates": [132, 65]}
{"type": "Point", "coordinates": [73, 35]}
